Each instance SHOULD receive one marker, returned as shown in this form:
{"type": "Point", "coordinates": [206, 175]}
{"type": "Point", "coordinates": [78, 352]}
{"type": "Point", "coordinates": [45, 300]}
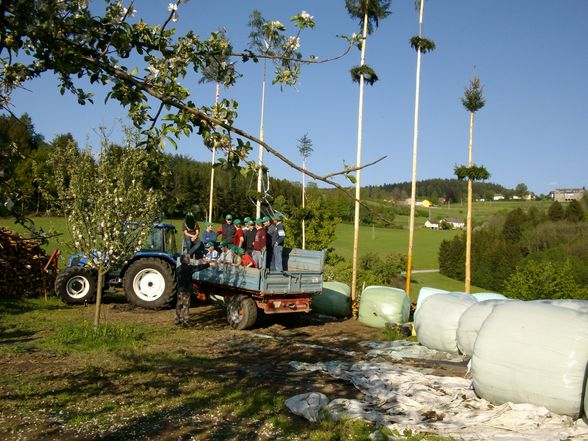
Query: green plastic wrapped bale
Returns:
{"type": "Point", "coordinates": [335, 300]}
{"type": "Point", "coordinates": [379, 305]}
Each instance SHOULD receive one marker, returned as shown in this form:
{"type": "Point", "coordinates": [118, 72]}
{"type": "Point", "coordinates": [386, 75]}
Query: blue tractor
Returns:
{"type": "Point", "coordinates": [147, 278]}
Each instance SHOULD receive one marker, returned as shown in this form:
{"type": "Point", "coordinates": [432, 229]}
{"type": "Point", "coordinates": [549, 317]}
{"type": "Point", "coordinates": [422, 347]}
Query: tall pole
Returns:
{"type": "Point", "coordinates": [303, 204]}
{"type": "Point", "coordinates": [358, 176]}
{"type": "Point", "coordinates": [260, 156]}
{"type": "Point", "coordinates": [468, 267]}
{"type": "Point", "coordinates": [414, 156]}
{"type": "Point", "coordinates": [216, 99]}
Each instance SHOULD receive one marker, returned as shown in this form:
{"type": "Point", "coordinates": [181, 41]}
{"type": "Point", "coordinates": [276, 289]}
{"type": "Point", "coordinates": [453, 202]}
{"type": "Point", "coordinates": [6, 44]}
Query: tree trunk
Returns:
{"type": "Point", "coordinates": [358, 177]}
{"type": "Point", "coordinates": [468, 257]}
{"type": "Point", "coordinates": [99, 288]}
{"type": "Point", "coordinates": [260, 154]}
{"type": "Point", "coordinates": [414, 157]}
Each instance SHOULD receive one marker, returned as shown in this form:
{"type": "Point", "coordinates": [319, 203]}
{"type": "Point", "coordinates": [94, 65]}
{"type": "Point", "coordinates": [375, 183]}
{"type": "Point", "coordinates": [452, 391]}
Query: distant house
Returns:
{"type": "Point", "coordinates": [498, 197]}
{"type": "Point", "coordinates": [456, 224]}
{"type": "Point", "coordinates": [567, 194]}
{"type": "Point", "coordinates": [516, 198]}
{"type": "Point", "coordinates": [433, 225]}
{"type": "Point", "coordinates": [423, 203]}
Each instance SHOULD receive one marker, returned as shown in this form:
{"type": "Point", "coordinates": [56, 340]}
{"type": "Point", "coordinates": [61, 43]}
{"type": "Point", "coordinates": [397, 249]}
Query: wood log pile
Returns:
{"type": "Point", "coordinates": [22, 263]}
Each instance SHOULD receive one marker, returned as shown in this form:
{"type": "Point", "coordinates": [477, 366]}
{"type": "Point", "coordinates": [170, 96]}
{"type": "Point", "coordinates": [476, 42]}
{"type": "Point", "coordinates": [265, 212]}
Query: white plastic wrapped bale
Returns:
{"type": "Point", "coordinates": [528, 352]}
{"type": "Point", "coordinates": [483, 296]}
{"type": "Point", "coordinates": [379, 305]}
{"type": "Point", "coordinates": [471, 321]}
{"type": "Point", "coordinates": [437, 320]}
{"type": "Point", "coordinates": [335, 300]}
{"type": "Point", "coordinates": [425, 292]}
{"type": "Point", "coordinates": [576, 305]}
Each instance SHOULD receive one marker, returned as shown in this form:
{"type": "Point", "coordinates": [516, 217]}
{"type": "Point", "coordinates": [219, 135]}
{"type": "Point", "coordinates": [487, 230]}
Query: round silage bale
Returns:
{"type": "Point", "coordinates": [482, 296]}
{"type": "Point", "coordinates": [425, 292]}
{"type": "Point", "coordinates": [437, 319]}
{"type": "Point", "coordinates": [529, 352]}
{"type": "Point", "coordinates": [576, 305]}
{"type": "Point", "coordinates": [335, 300]}
{"type": "Point", "coordinates": [379, 305]}
{"type": "Point", "coordinates": [471, 321]}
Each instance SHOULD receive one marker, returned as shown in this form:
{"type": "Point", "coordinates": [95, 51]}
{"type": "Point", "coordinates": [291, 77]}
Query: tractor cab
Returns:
{"type": "Point", "coordinates": [162, 239]}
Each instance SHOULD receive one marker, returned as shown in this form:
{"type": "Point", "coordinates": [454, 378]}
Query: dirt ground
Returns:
{"type": "Point", "coordinates": [257, 359]}
{"type": "Point", "coordinates": [265, 351]}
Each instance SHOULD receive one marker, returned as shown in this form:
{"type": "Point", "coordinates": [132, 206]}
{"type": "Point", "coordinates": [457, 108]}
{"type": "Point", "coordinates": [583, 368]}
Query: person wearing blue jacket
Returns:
{"type": "Point", "coordinates": [278, 239]}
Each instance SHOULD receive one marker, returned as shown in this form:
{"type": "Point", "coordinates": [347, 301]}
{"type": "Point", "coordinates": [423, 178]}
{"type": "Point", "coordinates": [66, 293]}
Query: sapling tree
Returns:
{"type": "Point", "coordinates": [473, 100]}
{"type": "Point", "coordinates": [107, 202]}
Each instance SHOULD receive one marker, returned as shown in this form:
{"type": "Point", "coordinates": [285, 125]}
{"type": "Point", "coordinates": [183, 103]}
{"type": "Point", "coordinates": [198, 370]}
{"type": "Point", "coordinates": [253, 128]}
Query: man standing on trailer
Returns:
{"type": "Point", "coordinates": [259, 244]}
{"type": "Point", "coordinates": [278, 239]}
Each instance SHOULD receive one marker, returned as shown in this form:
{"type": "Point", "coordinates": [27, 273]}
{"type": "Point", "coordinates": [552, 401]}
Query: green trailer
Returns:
{"type": "Point", "coordinates": [246, 291]}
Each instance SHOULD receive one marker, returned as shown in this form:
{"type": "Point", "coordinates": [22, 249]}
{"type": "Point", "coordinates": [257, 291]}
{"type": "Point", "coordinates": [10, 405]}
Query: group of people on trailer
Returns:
{"type": "Point", "coordinates": [251, 243]}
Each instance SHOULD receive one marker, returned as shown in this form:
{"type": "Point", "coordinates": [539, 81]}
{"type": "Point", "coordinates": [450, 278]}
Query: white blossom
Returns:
{"type": "Point", "coordinates": [153, 71]}
{"type": "Point", "coordinates": [172, 7]}
{"type": "Point", "coordinates": [293, 43]}
{"type": "Point", "coordinates": [175, 17]}
{"type": "Point", "coordinates": [306, 16]}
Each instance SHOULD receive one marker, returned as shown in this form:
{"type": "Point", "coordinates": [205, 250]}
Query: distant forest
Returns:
{"type": "Point", "coordinates": [25, 165]}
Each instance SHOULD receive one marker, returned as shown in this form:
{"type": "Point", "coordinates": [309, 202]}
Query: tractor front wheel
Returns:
{"type": "Point", "coordinates": [150, 283]}
{"type": "Point", "coordinates": [76, 285]}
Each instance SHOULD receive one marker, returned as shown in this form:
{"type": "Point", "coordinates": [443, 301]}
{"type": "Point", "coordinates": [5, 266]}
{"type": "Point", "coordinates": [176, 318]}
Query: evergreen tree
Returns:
{"type": "Point", "coordinates": [555, 212]}
{"type": "Point", "coordinates": [574, 212]}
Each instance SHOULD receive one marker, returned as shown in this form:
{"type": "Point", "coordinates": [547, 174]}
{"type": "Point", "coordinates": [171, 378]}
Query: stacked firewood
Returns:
{"type": "Point", "coordinates": [23, 263]}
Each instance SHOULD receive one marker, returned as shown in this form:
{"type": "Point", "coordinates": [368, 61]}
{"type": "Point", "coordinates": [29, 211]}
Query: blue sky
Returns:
{"type": "Point", "coordinates": [530, 56]}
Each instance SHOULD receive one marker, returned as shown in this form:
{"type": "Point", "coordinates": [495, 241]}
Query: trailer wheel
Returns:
{"type": "Point", "coordinates": [150, 283]}
{"type": "Point", "coordinates": [241, 312]}
{"type": "Point", "coordinates": [76, 285]}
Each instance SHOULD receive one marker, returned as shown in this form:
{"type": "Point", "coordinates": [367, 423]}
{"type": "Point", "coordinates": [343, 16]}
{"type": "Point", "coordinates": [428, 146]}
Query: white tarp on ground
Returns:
{"type": "Point", "coordinates": [403, 398]}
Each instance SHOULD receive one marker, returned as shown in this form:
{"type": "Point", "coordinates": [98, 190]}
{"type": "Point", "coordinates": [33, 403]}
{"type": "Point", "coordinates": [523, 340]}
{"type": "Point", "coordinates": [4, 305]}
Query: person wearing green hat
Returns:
{"type": "Point", "coordinates": [239, 235]}
{"type": "Point", "coordinates": [259, 244]}
{"type": "Point", "coordinates": [212, 253]}
{"type": "Point", "coordinates": [227, 230]}
{"type": "Point", "coordinates": [269, 231]}
{"type": "Point", "coordinates": [226, 255]}
{"type": "Point", "coordinates": [209, 235]}
{"type": "Point", "coordinates": [249, 233]}
{"type": "Point", "coordinates": [246, 259]}
{"type": "Point", "coordinates": [278, 239]}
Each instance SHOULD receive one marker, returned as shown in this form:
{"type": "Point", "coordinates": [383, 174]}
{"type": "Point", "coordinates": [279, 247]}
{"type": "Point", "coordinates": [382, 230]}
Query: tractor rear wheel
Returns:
{"type": "Point", "coordinates": [76, 285]}
{"type": "Point", "coordinates": [150, 283]}
{"type": "Point", "coordinates": [241, 312]}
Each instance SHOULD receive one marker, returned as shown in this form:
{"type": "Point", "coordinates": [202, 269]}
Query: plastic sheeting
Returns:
{"type": "Point", "coordinates": [483, 296]}
{"type": "Point", "coordinates": [426, 292]}
{"type": "Point", "coordinates": [470, 323]}
{"type": "Point", "coordinates": [437, 320]}
{"type": "Point", "coordinates": [335, 300]}
{"type": "Point", "coordinates": [379, 305]}
{"type": "Point", "coordinates": [402, 398]}
{"type": "Point", "coordinates": [528, 352]}
{"type": "Point", "coordinates": [307, 405]}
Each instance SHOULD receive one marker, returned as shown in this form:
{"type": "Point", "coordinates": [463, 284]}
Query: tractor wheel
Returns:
{"type": "Point", "coordinates": [76, 285]}
{"type": "Point", "coordinates": [241, 312]}
{"type": "Point", "coordinates": [150, 283]}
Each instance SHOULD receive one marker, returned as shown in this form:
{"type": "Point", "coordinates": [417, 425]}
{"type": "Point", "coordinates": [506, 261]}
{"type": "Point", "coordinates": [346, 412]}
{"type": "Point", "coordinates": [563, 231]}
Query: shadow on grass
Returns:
{"type": "Point", "coordinates": [13, 306]}
{"type": "Point", "coordinates": [168, 395]}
